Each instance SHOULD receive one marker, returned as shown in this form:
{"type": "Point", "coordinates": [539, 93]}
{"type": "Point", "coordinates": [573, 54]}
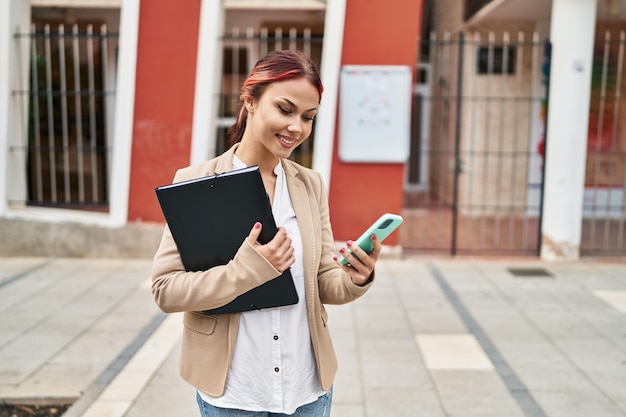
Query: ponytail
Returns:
{"type": "Point", "coordinates": [235, 132]}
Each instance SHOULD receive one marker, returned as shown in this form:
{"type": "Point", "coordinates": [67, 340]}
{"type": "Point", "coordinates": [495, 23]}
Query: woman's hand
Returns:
{"type": "Point", "coordinates": [277, 251]}
{"type": "Point", "coordinates": [361, 264]}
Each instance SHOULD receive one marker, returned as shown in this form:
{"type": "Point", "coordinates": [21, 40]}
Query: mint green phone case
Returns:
{"type": "Point", "coordinates": [382, 228]}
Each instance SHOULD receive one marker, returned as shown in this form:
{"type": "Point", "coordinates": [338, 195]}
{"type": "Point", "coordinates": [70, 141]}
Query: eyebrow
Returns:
{"type": "Point", "coordinates": [291, 103]}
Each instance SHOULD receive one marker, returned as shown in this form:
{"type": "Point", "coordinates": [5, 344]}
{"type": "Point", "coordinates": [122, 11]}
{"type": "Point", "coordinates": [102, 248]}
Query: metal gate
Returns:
{"type": "Point", "coordinates": [477, 188]}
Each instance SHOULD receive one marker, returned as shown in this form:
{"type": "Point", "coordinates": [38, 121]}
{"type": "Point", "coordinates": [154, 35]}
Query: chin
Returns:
{"type": "Point", "coordinates": [283, 152]}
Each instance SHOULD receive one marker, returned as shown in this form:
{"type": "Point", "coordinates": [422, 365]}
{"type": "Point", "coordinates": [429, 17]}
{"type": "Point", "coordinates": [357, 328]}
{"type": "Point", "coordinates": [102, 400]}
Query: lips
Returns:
{"type": "Point", "coordinates": [285, 141]}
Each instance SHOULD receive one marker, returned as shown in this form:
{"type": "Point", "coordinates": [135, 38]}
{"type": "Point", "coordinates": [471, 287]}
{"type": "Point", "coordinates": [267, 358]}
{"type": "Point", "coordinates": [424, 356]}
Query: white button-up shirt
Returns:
{"type": "Point", "coordinates": [273, 367]}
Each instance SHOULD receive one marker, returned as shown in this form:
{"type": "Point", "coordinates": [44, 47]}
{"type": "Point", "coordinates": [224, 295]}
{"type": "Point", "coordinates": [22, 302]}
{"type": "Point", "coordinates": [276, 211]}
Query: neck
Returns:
{"type": "Point", "coordinates": [251, 155]}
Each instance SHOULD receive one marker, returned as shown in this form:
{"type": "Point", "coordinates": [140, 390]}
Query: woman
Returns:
{"type": "Point", "coordinates": [278, 361]}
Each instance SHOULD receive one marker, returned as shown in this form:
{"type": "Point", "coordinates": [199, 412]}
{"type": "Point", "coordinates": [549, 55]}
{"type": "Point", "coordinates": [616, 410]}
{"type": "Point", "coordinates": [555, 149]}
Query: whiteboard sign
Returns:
{"type": "Point", "coordinates": [375, 113]}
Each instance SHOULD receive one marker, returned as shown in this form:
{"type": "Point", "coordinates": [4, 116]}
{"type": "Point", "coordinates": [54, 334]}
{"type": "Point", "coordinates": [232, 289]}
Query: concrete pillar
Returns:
{"type": "Point", "coordinates": [572, 35]}
{"type": "Point", "coordinates": [122, 136]}
{"type": "Point", "coordinates": [330, 70]}
{"type": "Point", "coordinates": [208, 78]}
{"type": "Point", "coordinates": [14, 56]}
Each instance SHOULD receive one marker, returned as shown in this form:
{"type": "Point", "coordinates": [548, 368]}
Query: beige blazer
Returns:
{"type": "Point", "coordinates": [208, 341]}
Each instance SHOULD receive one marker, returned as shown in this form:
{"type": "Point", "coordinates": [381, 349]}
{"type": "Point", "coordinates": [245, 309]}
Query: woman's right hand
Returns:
{"type": "Point", "coordinates": [277, 251]}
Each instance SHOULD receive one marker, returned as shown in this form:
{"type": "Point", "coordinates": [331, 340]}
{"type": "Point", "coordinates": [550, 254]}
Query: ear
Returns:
{"type": "Point", "coordinates": [249, 103]}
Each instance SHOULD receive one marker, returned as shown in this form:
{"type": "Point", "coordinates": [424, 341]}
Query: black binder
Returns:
{"type": "Point", "coordinates": [209, 219]}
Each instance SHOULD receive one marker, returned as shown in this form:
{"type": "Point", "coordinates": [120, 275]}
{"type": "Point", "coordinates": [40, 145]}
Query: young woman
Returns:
{"type": "Point", "coordinates": [279, 361]}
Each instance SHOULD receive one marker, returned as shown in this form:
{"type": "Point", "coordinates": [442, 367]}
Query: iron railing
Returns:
{"type": "Point", "coordinates": [604, 207]}
{"type": "Point", "coordinates": [67, 146]}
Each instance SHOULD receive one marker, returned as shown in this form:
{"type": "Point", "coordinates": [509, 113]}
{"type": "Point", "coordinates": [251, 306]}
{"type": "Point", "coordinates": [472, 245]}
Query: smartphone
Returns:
{"type": "Point", "coordinates": [382, 228]}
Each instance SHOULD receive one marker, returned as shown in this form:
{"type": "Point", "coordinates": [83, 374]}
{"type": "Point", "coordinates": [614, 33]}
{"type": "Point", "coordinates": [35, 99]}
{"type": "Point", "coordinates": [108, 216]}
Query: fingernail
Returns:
{"type": "Point", "coordinates": [335, 258]}
{"type": "Point", "coordinates": [342, 250]}
{"type": "Point", "coordinates": [257, 225]}
{"type": "Point", "coordinates": [374, 237]}
{"type": "Point", "coordinates": [349, 243]}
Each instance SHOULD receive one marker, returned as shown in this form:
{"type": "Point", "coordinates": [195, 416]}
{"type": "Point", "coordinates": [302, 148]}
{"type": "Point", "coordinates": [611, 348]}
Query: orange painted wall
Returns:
{"type": "Point", "coordinates": [165, 82]}
{"type": "Point", "coordinates": [377, 32]}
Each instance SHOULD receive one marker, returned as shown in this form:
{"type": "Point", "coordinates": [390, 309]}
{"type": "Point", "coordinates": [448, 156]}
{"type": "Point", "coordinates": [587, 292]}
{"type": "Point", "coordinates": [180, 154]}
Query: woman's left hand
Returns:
{"type": "Point", "coordinates": [361, 264]}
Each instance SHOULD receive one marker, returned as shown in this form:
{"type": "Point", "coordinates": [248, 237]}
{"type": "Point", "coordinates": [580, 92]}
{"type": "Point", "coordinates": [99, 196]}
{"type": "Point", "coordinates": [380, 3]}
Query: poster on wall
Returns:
{"type": "Point", "coordinates": [375, 113]}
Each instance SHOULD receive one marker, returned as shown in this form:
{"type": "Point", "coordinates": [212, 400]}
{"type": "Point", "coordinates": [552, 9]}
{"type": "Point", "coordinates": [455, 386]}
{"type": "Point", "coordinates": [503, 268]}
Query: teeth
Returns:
{"type": "Point", "coordinates": [288, 142]}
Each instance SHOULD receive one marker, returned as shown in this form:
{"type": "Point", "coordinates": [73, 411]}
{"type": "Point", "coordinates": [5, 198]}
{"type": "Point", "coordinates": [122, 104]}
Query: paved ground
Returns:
{"type": "Point", "coordinates": [434, 337]}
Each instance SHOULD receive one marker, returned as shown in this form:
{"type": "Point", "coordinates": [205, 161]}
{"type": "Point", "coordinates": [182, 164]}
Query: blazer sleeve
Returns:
{"type": "Point", "coordinates": [175, 289]}
{"type": "Point", "coordinates": [335, 285]}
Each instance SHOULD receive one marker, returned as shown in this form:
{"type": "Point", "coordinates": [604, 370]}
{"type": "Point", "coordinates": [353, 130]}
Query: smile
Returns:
{"type": "Point", "coordinates": [285, 140]}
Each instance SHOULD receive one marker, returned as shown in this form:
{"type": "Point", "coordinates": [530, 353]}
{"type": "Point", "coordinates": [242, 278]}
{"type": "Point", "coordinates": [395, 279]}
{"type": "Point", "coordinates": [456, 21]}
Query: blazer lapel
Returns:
{"type": "Point", "coordinates": [225, 160]}
{"type": "Point", "coordinates": [302, 208]}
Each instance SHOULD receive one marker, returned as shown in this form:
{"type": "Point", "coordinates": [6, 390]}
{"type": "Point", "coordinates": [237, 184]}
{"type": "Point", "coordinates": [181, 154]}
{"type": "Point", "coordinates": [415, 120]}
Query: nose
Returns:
{"type": "Point", "coordinates": [295, 125]}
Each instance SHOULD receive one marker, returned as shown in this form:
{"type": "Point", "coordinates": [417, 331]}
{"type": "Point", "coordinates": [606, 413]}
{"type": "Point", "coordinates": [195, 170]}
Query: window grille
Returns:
{"type": "Point", "coordinates": [495, 59]}
{"type": "Point", "coordinates": [67, 150]}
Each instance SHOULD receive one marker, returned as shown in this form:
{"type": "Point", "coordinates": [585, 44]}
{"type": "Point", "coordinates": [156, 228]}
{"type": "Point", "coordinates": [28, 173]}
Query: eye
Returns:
{"type": "Point", "coordinates": [309, 118]}
{"type": "Point", "coordinates": [283, 110]}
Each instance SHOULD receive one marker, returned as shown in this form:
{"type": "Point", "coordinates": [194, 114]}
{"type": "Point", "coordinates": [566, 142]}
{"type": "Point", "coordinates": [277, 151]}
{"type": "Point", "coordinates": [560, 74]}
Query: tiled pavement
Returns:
{"type": "Point", "coordinates": [434, 337]}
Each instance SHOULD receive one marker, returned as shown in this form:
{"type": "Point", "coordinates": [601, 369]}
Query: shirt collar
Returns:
{"type": "Point", "coordinates": [238, 164]}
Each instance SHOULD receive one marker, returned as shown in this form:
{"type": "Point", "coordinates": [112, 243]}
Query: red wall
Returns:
{"type": "Point", "coordinates": [377, 32]}
{"type": "Point", "coordinates": [166, 68]}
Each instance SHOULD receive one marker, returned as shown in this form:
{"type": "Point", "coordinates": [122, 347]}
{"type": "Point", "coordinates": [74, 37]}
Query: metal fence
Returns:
{"type": "Point", "coordinates": [241, 50]}
{"type": "Point", "coordinates": [476, 168]}
{"type": "Point", "coordinates": [477, 186]}
{"type": "Point", "coordinates": [67, 146]}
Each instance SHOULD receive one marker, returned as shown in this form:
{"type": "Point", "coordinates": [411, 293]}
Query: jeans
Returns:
{"type": "Point", "coordinates": [318, 408]}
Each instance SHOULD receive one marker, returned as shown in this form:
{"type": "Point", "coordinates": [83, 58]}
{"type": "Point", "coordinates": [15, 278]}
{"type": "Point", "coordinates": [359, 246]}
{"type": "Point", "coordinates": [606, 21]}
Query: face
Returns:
{"type": "Point", "coordinates": [282, 118]}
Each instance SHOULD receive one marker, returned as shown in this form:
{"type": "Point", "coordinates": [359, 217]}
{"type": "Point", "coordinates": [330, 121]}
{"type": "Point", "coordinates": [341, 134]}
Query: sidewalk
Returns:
{"type": "Point", "coordinates": [434, 337]}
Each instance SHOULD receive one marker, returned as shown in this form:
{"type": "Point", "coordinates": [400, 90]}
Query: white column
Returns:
{"type": "Point", "coordinates": [14, 72]}
{"type": "Point", "coordinates": [331, 66]}
{"type": "Point", "coordinates": [124, 112]}
{"type": "Point", "coordinates": [572, 35]}
{"type": "Point", "coordinates": [208, 77]}
{"type": "Point", "coordinates": [5, 95]}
